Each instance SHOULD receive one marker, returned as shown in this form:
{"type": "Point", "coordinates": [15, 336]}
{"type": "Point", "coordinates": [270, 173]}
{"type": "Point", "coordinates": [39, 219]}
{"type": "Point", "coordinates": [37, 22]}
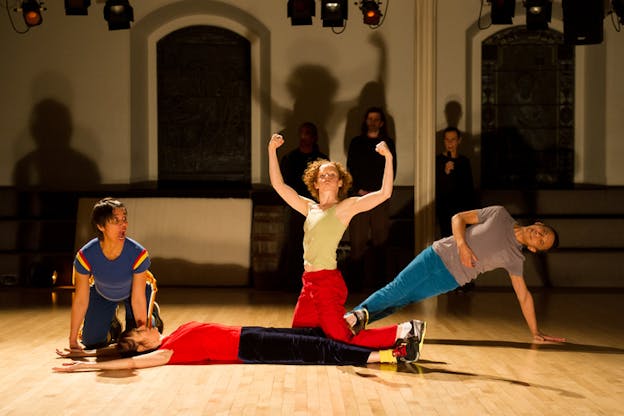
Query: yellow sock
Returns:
{"type": "Point", "coordinates": [385, 356]}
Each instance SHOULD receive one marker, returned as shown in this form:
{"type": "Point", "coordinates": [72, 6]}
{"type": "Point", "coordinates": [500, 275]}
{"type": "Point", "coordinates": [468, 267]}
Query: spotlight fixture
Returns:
{"type": "Point", "coordinates": [334, 12]}
{"type": "Point", "coordinates": [370, 12]}
{"type": "Point", "coordinates": [538, 14]}
{"type": "Point", "coordinates": [503, 11]}
{"type": "Point", "coordinates": [583, 22]}
{"type": "Point", "coordinates": [301, 12]}
{"type": "Point", "coordinates": [118, 14]}
{"type": "Point", "coordinates": [77, 7]}
{"type": "Point", "coordinates": [31, 11]}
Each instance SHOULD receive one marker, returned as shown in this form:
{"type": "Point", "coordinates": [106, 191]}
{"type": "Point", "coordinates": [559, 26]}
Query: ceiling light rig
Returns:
{"type": "Point", "coordinates": [31, 12]}
{"type": "Point", "coordinates": [503, 11]}
{"type": "Point", "coordinates": [300, 12]}
{"type": "Point", "coordinates": [371, 13]}
{"type": "Point", "coordinates": [538, 14]}
{"type": "Point", "coordinates": [334, 13]}
{"type": "Point", "coordinates": [118, 14]}
{"type": "Point", "coordinates": [77, 7]}
{"type": "Point", "coordinates": [583, 22]}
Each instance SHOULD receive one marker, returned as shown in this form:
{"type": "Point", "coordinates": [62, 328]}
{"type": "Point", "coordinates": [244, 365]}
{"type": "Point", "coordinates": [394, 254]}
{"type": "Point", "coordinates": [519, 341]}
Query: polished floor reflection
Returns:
{"type": "Point", "coordinates": [478, 359]}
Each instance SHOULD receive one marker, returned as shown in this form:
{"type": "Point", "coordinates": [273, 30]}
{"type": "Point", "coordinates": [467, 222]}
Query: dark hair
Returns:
{"type": "Point", "coordinates": [102, 212]}
{"type": "Point", "coordinates": [127, 347]}
{"type": "Point", "coordinates": [125, 344]}
{"type": "Point", "coordinates": [449, 129]}
{"type": "Point", "coordinates": [383, 132]}
{"type": "Point", "coordinates": [311, 175]}
{"type": "Point", "coordinates": [311, 126]}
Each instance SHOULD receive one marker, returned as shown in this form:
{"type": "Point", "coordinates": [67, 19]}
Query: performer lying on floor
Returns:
{"type": "Point", "coordinates": [205, 343]}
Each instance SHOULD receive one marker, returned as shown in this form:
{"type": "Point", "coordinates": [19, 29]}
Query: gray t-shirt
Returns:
{"type": "Point", "coordinates": [492, 240]}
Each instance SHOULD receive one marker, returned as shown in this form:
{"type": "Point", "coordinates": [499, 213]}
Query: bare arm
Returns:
{"type": "Point", "coordinates": [100, 352]}
{"type": "Point", "coordinates": [79, 308]}
{"type": "Point", "coordinates": [152, 359]}
{"type": "Point", "coordinates": [288, 194]}
{"type": "Point", "coordinates": [528, 310]}
{"type": "Point", "coordinates": [459, 222]}
{"type": "Point", "coordinates": [138, 300]}
{"type": "Point", "coordinates": [352, 206]}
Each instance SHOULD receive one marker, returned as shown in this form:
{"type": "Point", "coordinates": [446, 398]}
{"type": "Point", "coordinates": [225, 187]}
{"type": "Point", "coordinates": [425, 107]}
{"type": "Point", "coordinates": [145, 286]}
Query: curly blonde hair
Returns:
{"type": "Point", "coordinates": [312, 171]}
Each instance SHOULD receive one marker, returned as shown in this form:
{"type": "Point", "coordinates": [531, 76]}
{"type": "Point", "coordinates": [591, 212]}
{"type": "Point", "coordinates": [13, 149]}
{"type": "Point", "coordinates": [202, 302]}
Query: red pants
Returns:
{"type": "Point", "coordinates": [321, 304]}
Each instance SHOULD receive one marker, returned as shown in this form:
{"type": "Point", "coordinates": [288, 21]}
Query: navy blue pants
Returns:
{"type": "Point", "coordinates": [100, 314]}
{"type": "Point", "coordinates": [424, 277]}
{"type": "Point", "coordinates": [259, 345]}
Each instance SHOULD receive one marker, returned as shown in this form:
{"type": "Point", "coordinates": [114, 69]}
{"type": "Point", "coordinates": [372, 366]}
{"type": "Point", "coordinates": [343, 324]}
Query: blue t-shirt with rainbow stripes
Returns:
{"type": "Point", "coordinates": [112, 278]}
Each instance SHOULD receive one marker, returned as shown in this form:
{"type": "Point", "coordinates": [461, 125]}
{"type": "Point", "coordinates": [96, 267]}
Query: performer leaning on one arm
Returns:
{"type": "Point", "coordinates": [483, 240]}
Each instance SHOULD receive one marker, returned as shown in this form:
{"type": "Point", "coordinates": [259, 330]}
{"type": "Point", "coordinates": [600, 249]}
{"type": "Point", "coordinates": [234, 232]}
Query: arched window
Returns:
{"type": "Point", "coordinates": [204, 106]}
{"type": "Point", "coordinates": [527, 108]}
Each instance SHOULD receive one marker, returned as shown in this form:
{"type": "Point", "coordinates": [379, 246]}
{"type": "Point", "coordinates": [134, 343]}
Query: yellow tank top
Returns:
{"type": "Point", "coordinates": [322, 233]}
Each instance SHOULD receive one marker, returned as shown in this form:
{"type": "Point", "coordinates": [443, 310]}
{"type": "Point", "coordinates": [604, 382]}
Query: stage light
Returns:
{"type": "Point", "coordinates": [503, 11]}
{"type": "Point", "coordinates": [334, 12]}
{"type": "Point", "coordinates": [538, 14]}
{"type": "Point", "coordinates": [370, 12]}
{"type": "Point", "coordinates": [583, 22]}
{"type": "Point", "coordinates": [31, 11]}
{"type": "Point", "coordinates": [118, 14]}
{"type": "Point", "coordinates": [77, 7]}
{"type": "Point", "coordinates": [301, 12]}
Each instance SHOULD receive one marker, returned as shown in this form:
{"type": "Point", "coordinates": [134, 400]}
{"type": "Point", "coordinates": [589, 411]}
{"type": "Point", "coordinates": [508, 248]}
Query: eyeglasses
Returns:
{"type": "Point", "coordinates": [330, 176]}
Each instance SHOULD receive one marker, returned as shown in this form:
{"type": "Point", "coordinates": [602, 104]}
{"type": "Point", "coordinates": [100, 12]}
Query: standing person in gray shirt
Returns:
{"type": "Point", "coordinates": [493, 240]}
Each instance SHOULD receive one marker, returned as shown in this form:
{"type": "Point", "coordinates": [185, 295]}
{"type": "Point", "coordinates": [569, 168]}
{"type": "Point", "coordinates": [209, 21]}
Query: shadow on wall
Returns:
{"type": "Point", "coordinates": [54, 165]}
{"type": "Point", "coordinates": [45, 245]}
{"type": "Point", "coordinates": [373, 94]}
{"type": "Point", "coordinates": [313, 89]}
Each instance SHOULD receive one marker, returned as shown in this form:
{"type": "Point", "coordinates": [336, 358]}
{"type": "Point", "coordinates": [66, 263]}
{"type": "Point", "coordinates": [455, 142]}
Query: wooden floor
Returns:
{"type": "Point", "coordinates": [477, 360]}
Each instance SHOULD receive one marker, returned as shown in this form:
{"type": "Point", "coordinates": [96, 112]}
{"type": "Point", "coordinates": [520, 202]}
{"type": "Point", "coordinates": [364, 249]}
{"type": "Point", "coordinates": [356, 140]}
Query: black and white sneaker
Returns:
{"type": "Point", "coordinates": [418, 329]}
{"type": "Point", "coordinates": [408, 349]}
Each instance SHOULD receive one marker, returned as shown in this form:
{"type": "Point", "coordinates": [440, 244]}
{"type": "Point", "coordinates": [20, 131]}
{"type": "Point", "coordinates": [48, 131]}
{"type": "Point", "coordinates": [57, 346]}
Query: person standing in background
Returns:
{"type": "Point", "coordinates": [454, 186]}
{"type": "Point", "coordinates": [367, 168]}
{"type": "Point", "coordinates": [292, 165]}
{"type": "Point", "coordinates": [295, 162]}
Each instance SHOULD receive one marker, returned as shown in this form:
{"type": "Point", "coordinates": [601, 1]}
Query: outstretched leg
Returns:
{"type": "Point", "coordinates": [278, 346]}
{"type": "Point", "coordinates": [424, 277]}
